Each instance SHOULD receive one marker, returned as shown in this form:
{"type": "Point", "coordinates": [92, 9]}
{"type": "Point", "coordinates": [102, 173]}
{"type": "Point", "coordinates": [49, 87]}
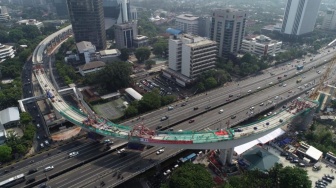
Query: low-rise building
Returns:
{"type": "Point", "coordinates": [261, 45]}
{"type": "Point", "coordinates": [140, 41]}
{"type": "Point", "coordinates": [34, 22]}
{"type": "Point", "coordinates": [109, 55]}
{"type": "Point", "coordinates": [91, 67]}
{"type": "Point", "coordinates": [6, 52]}
{"type": "Point", "coordinates": [10, 117]}
{"type": "Point", "coordinates": [134, 94]}
{"type": "Point", "coordinates": [86, 51]}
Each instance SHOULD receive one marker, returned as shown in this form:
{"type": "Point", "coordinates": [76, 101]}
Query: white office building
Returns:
{"type": "Point", "coordinates": [191, 55]}
{"type": "Point", "coordinates": [300, 16]}
{"type": "Point", "coordinates": [261, 45]}
{"type": "Point", "coordinates": [187, 23]}
{"type": "Point", "coordinates": [6, 52]}
{"type": "Point", "coordinates": [329, 20]}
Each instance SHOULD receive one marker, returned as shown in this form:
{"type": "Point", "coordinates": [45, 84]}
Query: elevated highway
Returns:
{"type": "Point", "coordinates": [210, 139]}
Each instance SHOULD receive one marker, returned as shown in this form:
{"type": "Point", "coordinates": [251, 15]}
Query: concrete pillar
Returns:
{"type": "Point", "coordinates": [57, 114]}
{"type": "Point", "coordinates": [226, 155]}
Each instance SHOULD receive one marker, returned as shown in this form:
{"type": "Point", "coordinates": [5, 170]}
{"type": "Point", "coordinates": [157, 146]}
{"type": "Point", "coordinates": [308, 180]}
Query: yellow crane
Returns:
{"type": "Point", "coordinates": [323, 79]}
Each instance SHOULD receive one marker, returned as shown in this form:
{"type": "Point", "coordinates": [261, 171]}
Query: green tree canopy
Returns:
{"type": "Point", "coordinates": [150, 101]}
{"type": "Point", "coordinates": [149, 64]}
{"type": "Point", "coordinates": [294, 177]}
{"type": "Point", "coordinates": [142, 54]}
{"type": "Point", "coordinates": [25, 118]}
{"type": "Point", "coordinates": [210, 83]}
{"type": "Point", "coordinates": [124, 54]}
{"type": "Point", "coordinates": [160, 48]}
{"type": "Point", "coordinates": [192, 176]}
{"type": "Point", "coordinates": [5, 153]}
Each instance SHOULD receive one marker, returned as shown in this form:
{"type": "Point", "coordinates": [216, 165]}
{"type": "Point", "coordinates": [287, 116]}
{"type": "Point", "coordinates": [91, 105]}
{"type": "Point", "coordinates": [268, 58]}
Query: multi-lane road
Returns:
{"type": "Point", "coordinates": [218, 96]}
{"type": "Point", "coordinates": [239, 107]}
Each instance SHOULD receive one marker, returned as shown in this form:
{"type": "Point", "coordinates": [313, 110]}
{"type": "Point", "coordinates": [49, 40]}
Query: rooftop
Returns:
{"type": "Point", "coordinates": [84, 46]}
{"type": "Point", "coordinates": [9, 115]}
{"type": "Point", "coordinates": [109, 52]}
{"type": "Point", "coordinates": [189, 17]}
{"type": "Point", "coordinates": [92, 65]}
{"type": "Point", "coordinates": [260, 159]}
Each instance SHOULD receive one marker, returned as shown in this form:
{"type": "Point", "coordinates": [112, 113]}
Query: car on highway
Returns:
{"type": "Point", "coordinates": [30, 180]}
{"type": "Point", "coordinates": [270, 83]}
{"type": "Point", "coordinates": [183, 104]}
{"type": "Point", "coordinates": [32, 171]}
{"type": "Point", "coordinates": [195, 108]}
{"type": "Point", "coordinates": [252, 108]}
{"type": "Point", "coordinates": [170, 108]}
{"type": "Point", "coordinates": [48, 168]}
{"type": "Point", "coordinates": [228, 99]}
{"type": "Point", "coordinates": [284, 85]}
{"type": "Point", "coordinates": [42, 145]}
{"type": "Point", "coordinates": [108, 141]}
{"type": "Point", "coordinates": [276, 97]}
{"type": "Point", "coordinates": [249, 91]}
{"type": "Point", "coordinates": [158, 127]}
{"type": "Point", "coordinates": [269, 113]}
{"type": "Point", "coordinates": [164, 118]}
{"type": "Point", "coordinates": [258, 88]}
{"type": "Point", "coordinates": [46, 142]}
{"type": "Point", "coordinates": [261, 104]}
{"type": "Point", "coordinates": [191, 121]}
{"type": "Point", "coordinates": [221, 111]}
{"type": "Point", "coordinates": [158, 152]}
{"type": "Point", "coordinates": [233, 116]}
{"type": "Point", "coordinates": [230, 95]}
{"type": "Point", "coordinates": [121, 150]}
{"type": "Point", "coordinates": [73, 154]}
{"type": "Point", "coordinates": [238, 130]}
{"type": "Point", "coordinates": [207, 107]}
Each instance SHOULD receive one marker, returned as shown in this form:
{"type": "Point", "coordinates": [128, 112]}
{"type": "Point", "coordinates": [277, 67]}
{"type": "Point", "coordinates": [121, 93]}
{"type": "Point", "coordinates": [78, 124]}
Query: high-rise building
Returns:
{"type": "Point", "coordinates": [191, 55]}
{"type": "Point", "coordinates": [187, 23]}
{"type": "Point", "coordinates": [118, 11]}
{"type": "Point", "coordinates": [125, 33]}
{"type": "Point", "coordinates": [204, 25]}
{"type": "Point", "coordinates": [300, 16]}
{"type": "Point", "coordinates": [4, 16]}
{"type": "Point", "coordinates": [228, 29]}
{"type": "Point", "coordinates": [329, 20]}
{"type": "Point", "coordinates": [61, 8]}
{"type": "Point", "coordinates": [87, 19]}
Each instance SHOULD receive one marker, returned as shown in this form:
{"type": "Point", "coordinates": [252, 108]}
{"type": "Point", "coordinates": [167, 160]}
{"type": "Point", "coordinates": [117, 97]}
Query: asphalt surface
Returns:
{"type": "Point", "coordinates": [153, 119]}
{"type": "Point", "coordinates": [103, 170]}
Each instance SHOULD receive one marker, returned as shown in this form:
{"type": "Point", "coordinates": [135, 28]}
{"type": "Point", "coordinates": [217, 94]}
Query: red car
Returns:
{"type": "Point", "coordinates": [192, 120]}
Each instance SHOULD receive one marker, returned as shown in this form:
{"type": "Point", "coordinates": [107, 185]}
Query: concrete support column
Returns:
{"type": "Point", "coordinates": [226, 155]}
{"type": "Point", "coordinates": [57, 114]}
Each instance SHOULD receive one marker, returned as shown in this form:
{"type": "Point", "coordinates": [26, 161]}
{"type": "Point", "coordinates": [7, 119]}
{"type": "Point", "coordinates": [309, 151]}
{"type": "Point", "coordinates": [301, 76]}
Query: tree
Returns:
{"type": "Point", "coordinates": [15, 35]}
{"type": "Point", "coordinates": [5, 153]}
{"type": "Point", "coordinates": [142, 54]}
{"type": "Point", "coordinates": [200, 86]}
{"type": "Point", "coordinates": [150, 101]}
{"type": "Point", "coordinates": [131, 111]}
{"type": "Point", "coordinates": [160, 48]}
{"type": "Point", "coordinates": [149, 64]}
{"type": "Point", "coordinates": [210, 83]}
{"type": "Point", "coordinates": [25, 118]}
{"type": "Point", "coordinates": [294, 177]}
{"type": "Point", "coordinates": [192, 176]}
{"type": "Point", "coordinates": [124, 54]}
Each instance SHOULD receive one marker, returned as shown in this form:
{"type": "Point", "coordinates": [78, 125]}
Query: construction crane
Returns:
{"type": "Point", "coordinates": [323, 79]}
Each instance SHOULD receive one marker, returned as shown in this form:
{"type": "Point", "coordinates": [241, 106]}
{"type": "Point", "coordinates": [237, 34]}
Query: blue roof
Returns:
{"type": "Point", "coordinates": [173, 31]}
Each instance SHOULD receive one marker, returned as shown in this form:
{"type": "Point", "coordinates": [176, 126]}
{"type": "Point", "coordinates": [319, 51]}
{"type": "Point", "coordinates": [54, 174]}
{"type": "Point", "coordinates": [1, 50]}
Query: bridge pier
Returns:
{"type": "Point", "coordinates": [226, 155]}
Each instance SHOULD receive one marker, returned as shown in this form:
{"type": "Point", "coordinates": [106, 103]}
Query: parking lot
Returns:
{"type": "Point", "coordinates": [313, 175]}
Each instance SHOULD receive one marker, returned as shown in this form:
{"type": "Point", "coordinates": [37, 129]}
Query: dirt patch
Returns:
{"type": "Point", "coordinates": [66, 134]}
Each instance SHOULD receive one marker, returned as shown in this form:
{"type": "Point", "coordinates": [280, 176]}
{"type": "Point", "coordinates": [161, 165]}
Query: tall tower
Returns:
{"type": "Point", "coordinates": [228, 29]}
{"type": "Point", "coordinates": [300, 16]}
{"type": "Point", "coordinates": [87, 19]}
{"type": "Point", "coordinates": [329, 20]}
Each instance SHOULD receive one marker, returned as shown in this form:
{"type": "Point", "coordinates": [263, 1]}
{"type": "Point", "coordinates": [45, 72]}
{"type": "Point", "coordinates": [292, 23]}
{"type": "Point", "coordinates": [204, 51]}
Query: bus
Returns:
{"type": "Point", "coordinates": [10, 182]}
{"type": "Point", "coordinates": [190, 158]}
{"type": "Point", "coordinates": [299, 67]}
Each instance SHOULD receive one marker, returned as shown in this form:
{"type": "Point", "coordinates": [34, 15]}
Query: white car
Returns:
{"type": "Point", "coordinates": [221, 111]}
{"type": "Point", "coordinates": [252, 108]}
{"type": "Point", "coordinates": [48, 168]}
{"type": "Point", "coordinates": [167, 172]}
{"type": "Point", "coordinates": [158, 152]}
{"type": "Point", "coordinates": [270, 83]}
{"type": "Point", "coordinates": [269, 113]}
{"type": "Point", "coordinates": [261, 104]}
{"type": "Point", "coordinates": [121, 150]}
{"type": "Point", "coordinates": [73, 154]}
{"type": "Point", "coordinates": [284, 85]}
{"type": "Point", "coordinates": [258, 88]}
{"type": "Point", "coordinates": [249, 91]}
{"type": "Point", "coordinates": [276, 97]}
{"type": "Point", "coordinates": [38, 125]}
{"type": "Point", "coordinates": [108, 141]}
